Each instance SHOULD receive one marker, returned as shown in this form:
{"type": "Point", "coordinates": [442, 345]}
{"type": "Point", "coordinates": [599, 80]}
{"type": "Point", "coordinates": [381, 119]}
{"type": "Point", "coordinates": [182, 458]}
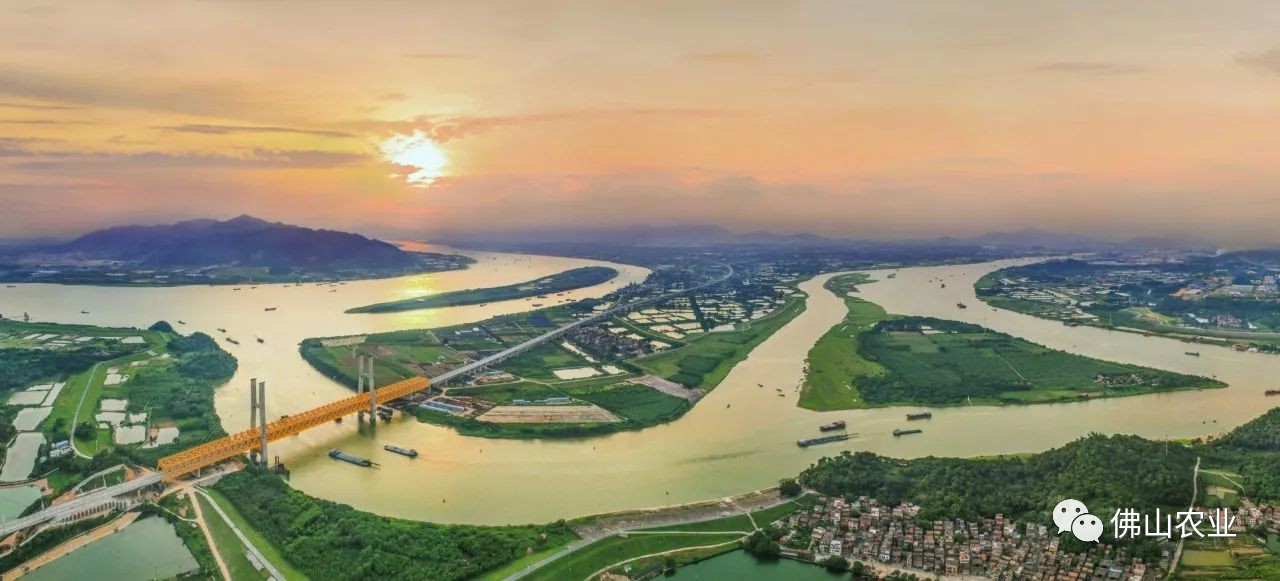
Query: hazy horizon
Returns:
{"type": "Point", "coordinates": [844, 119]}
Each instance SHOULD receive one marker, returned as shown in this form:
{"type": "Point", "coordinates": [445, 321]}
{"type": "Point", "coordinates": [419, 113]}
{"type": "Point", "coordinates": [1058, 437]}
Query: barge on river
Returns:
{"type": "Point", "coordinates": [337, 454]}
{"type": "Point", "coordinates": [410, 452]}
{"type": "Point", "coordinates": [822, 440]}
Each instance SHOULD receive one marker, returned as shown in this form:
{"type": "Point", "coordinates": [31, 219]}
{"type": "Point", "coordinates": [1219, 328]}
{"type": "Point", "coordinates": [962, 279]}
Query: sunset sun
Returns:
{"type": "Point", "coordinates": [417, 152]}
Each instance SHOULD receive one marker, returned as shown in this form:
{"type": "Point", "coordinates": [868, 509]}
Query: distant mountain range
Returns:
{"type": "Point", "coordinates": [242, 248]}
{"type": "Point", "coordinates": [1029, 240]}
{"type": "Point", "coordinates": [242, 241]}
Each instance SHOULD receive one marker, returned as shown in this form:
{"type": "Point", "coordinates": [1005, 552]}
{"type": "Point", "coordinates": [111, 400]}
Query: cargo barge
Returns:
{"type": "Point", "coordinates": [337, 454]}
{"type": "Point", "coordinates": [410, 452]}
{"type": "Point", "coordinates": [906, 432]}
{"type": "Point", "coordinates": [920, 416]}
{"type": "Point", "coordinates": [1271, 392]}
{"type": "Point", "coordinates": [822, 440]}
{"type": "Point", "coordinates": [836, 425]}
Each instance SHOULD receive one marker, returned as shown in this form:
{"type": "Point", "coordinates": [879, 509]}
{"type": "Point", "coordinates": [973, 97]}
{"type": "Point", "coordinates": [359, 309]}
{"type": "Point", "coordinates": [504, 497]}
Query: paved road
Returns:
{"type": "Point", "coordinates": [116, 525]}
{"type": "Point", "coordinates": [526, 345]}
{"type": "Point", "coordinates": [271, 569]}
{"type": "Point", "coordinates": [84, 501]}
{"type": "Point", "coordinates": [75, 419]}
{"type": "Point", "coordinates": [634, 523]}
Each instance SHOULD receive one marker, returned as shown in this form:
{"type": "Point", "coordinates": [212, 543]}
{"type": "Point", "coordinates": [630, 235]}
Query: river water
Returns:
{"type": "Point", "coordinates": [740, 437]}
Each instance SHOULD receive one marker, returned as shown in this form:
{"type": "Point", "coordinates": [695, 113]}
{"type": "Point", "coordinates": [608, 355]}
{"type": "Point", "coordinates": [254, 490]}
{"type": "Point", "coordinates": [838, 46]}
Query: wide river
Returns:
{"type": "Point", "coordinates": [740, 437]}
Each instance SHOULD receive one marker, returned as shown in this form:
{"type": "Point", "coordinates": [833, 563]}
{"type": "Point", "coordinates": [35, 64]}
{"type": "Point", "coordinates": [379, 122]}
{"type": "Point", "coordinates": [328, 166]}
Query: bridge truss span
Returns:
{"type": "Point", "coordinates": [231, 446]}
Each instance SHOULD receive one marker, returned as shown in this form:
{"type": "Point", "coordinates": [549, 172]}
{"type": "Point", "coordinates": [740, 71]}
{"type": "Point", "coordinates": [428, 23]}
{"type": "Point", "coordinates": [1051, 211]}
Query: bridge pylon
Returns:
{"type": "Point", "coordinates": [258, 416]}
{"type": "Point", "coordinates": [364, 382]}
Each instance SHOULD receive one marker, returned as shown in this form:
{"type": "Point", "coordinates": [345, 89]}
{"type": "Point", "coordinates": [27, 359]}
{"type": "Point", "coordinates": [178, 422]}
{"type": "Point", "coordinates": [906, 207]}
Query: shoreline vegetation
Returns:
{"type": "Point", "coordinates": [1147, 319]}
{"type": "Point", "coordinates": [1137, 472]}
{"type": "Point", "coordinates": [698, 365]}
{"type": "Point", "coordinates": [557, 283]}
{"type": "Point", "coordinates": [874, 359]}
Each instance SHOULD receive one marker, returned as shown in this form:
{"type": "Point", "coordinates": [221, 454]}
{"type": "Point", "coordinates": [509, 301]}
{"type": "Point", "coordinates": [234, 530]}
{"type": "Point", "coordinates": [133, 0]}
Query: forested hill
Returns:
{"type": "Point", "coordinates": [1103, 471]}
{"type": "Point", "coordinates": [245, 241]}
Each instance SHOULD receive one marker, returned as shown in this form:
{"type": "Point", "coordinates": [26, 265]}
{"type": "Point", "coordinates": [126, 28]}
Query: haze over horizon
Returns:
{"type": "Point", "coordinates": [845, 119]}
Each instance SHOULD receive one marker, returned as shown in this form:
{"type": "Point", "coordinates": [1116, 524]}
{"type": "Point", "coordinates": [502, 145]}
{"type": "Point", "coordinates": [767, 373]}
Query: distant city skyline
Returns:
{"type": "Point", "coordinates": [865, 120]}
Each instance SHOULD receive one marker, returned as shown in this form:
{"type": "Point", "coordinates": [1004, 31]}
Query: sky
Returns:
{"type": "Point", "coordinates": [847, 118]}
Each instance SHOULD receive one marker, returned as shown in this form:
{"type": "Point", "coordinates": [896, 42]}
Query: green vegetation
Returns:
{"type": "Point", "coordinates": [50, 539]}
{"type": "Point", "coordinates": [270, 551]}
{"type": "Point", "coordinates": [835, 363]}
{"type": "Point", "coordinates": [327, 540]}
{"type": "Point", "coordinates": [565, 281]}
{"type": "Point", "coordinates": [227, 544]}
{"type": "Point", "coordinates": [705, 361]}
{"type": "Point", "coordinates": [607, 552]}
{"type": "Point", "coordinates": [1104, 472]}
{"type": "Point", "coordinates": [610, 551]}
{"type": "Point", "coordinates": [178, 512]}
{"type": "Point", "coordinates": [942, 362]}
{"type": "Point", "coordinates": [1245, 556]}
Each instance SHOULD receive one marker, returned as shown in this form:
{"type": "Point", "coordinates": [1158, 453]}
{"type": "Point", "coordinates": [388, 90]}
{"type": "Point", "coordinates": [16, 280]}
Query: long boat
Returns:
{"type": "Point", "coordinates": [410, 452]}
{"type": "Point", "coordinates": [1271, 392]}
{"type": "Point", "coordinates": [920, 416]}
{"type": "Point", "coordinates": [822, 440]}
{"type": "Point", "coordinates": [901, 432]}
{"type": "Point", "coordinates": [337, 454]}
{"type": "Point", "coordinates": [836, 425]}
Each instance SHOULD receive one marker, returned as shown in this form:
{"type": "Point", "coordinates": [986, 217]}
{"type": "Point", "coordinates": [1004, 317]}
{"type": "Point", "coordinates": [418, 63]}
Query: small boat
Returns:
{"type": "Point", "coordinates": [1271, 392]}
{"type": "Point", "coordinates": [537, 304]}
{"type": "Point", "coordinates": [181, 322]}
{"type": "Point", "coordinates": [260, 340]}
{"type": "Point", "coordinates": [944, 285]}
{"type": "Point", "coordinates": [232, 341]}
{"type": "Point", "coordinates": [1193, 353]}
{"type": "Point", "coordinates": [84, 312]}
{"type": "Point", "coordinates": [221, 330]}
{"type": "Point", "coordinates": [906, 432]}
{"type": "Point", "coordinates": [836, 425]}
{"type": "Point", "coordinates": [410, 452]}
{"type": "Point", "coordinates": [759, 385]}
{"type": "Point", "coordinates": [236, 289]}
{"type": "Point", "coordinates": [337, 420]}
{"type": "Point", "coordinates": [269, 309]}
{"type": "Point", "coordinates": [920, 416]}
{"type": "Point", "coordinates": [337, 454]}
{"type": "Point", "coordinates": [962, 306]}
{"type": "Point", "coordinates": [9, 286]}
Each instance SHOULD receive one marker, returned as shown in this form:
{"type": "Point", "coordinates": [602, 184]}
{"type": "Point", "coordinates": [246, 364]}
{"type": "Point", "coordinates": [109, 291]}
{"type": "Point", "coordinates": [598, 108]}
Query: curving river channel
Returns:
{"type": "Point", "coordinates": [715, 450]}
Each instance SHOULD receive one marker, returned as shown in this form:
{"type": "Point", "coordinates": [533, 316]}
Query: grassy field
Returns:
{"type": "Point", "coordinates": [834, 363]}
{"type": "Point", "coordinates": [613, 550]}
{"type": "Point", "coordinates": [565, 281]}
{"type": "Point", "coordinates": [227, 544]}
{"type": "Point", "coordinates": [942, 362]}
{"type": "Point", "coordinates": [268, 550]}
{"type": "Point", "coordinates": [705, 361]}
{"type": "Point", "coordinates": [1242, 557]}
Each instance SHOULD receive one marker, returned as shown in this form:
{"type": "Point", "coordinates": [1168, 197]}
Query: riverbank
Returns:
{"type": "Point", "coordinates": [874, 359]}
{"type": "Point", "coordinates": [539, 288]}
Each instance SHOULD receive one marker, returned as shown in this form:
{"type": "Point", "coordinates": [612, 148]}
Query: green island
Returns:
{"type": "Point", "coordinates": [874, 359]}
{"type": "Point", "coordinates": [629, 372]}
{"type": "Point", "coordinates": [568, 280]}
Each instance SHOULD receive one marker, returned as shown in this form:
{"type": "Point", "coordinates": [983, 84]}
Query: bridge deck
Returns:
{"type": "Point", "coordinates": [239, 443]}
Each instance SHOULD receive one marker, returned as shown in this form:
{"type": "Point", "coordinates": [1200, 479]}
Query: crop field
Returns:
{"type": "Point", "coordinates": [636, 403]}
{"type": "Point", "coordinates": [705, 361]}
{"type": "Point", "coordinates": [548, 414]}
{"type": "Point", "coordinates": [958, 362]}
{"type": "Point", "coordinates": [835, 364]}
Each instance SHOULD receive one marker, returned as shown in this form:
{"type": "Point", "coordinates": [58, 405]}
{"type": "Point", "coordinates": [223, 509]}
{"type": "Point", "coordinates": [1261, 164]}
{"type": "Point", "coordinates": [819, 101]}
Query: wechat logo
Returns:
{"type": "Point", "coordinates": [1072, 515]}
